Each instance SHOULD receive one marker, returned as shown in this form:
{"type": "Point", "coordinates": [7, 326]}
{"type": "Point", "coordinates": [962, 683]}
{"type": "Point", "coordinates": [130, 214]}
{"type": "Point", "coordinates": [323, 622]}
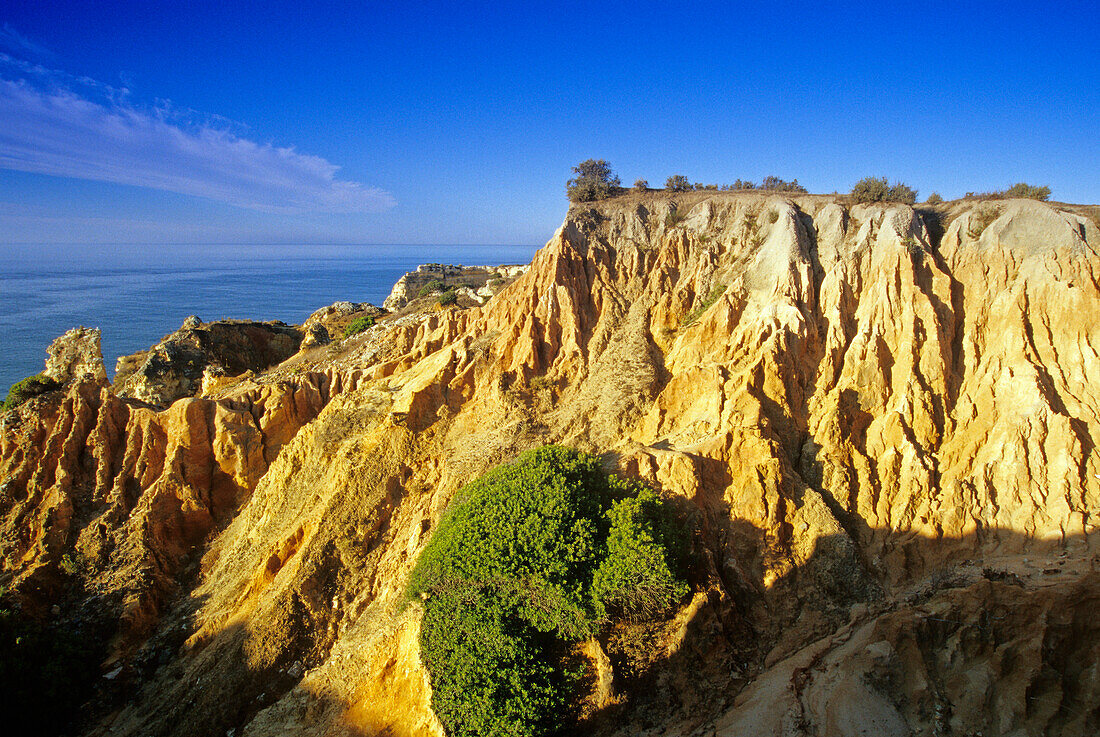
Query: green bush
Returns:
{"type": "Point", "coordinates": [26, 389]}
{"type": "Point", "coordinates": [678, 183]}
{"type": "Point", "coordinates": [358, 325]}
{"type": "Point", "coordinates": [874, 189]}
{"type": "Point", "coordinates": [430, 288]}
{"type": "Point", "coordinates": [1029, 191]}
{"type": "Point", "coordinates": [490, 671]}
{"type": "Point", "coordinates": [934, 199]}
{"type": "Point", "coordinates": [594, 181]}
{"type": "Point", "coordinates": [531, 557]}
{"type": "Point", "coordinates": [775, 184]}
{"type": "Point", "coordinates": [1020, 189]}
{"type": "Point", "coordinates": [448, 298]}
{"type": "Point", "coordinates": [641, 186]}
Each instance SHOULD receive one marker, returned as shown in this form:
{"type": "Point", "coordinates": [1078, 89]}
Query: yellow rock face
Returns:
{"type": "Point", "coordinates": [871, 414]}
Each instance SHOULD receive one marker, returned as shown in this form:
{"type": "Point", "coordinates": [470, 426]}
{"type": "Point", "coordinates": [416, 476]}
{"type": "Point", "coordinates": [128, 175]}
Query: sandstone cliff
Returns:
{"type": "Point", "coordinates": [881, 420]}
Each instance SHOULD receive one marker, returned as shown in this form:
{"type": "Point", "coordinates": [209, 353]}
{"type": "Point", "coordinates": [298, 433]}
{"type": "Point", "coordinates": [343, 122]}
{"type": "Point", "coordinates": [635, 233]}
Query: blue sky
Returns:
{"type": "Point", "coordinates": [458, 122]}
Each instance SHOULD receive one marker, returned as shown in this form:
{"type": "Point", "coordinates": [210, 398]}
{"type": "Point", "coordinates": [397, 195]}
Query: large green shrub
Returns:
{"type": "Point", "coordinates": [27, 388]}
{"type": "Point", "coordinates": [532, 556]}
{"type": "Point", "coordinates": [490, 670]}
{"type": "Point", "coordinates": [594, 181]}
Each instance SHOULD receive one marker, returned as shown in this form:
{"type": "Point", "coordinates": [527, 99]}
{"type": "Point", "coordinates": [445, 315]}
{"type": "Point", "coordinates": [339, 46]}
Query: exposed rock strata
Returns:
{"type": "Point", "coordinates": [854, 404]}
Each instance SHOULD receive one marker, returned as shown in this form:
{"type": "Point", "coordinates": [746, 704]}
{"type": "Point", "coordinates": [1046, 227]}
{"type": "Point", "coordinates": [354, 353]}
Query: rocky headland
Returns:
{"type": "Point", "coordinates": [476, 283]}
{"type": "Point", "coordinates": [880, 420]}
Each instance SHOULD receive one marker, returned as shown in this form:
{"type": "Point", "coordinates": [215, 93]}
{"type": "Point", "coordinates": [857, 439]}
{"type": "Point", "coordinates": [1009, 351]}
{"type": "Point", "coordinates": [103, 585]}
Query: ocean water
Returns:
{"type": "Point", "coordinates": [138, 294]}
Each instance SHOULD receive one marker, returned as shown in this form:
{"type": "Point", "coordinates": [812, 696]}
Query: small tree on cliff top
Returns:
{"type": "Point", "coordinates": [678, 183]}
{"type": "Point", "coordinates": [594, 181]}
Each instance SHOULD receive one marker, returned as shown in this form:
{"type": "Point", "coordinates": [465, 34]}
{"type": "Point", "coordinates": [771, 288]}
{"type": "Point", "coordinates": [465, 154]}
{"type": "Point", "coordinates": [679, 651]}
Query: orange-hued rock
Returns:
{"type": "Point", "coordinates": [876, 417]}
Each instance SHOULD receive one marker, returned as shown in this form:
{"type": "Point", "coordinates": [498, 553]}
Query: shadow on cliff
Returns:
{"type": "Point", "coordinates": [996, 602]}
{"type": "Point", "coordinates": [217, 688]}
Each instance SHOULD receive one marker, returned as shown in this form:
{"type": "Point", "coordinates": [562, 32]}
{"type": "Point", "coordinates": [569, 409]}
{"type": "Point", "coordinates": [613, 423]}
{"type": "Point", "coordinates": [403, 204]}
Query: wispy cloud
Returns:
{"type": "Point", "coordinates": [16, 42]}
{"type": "Point", "coordinates": [56, 124]}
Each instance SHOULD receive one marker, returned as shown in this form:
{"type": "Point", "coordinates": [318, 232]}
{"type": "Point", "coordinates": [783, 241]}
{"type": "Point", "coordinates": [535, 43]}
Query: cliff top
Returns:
{"type": "Point", "coordinates": [810, 201]}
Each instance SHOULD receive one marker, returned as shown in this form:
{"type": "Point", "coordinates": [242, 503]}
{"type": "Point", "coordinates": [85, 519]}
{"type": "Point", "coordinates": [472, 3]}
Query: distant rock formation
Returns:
{"type": "Point", "coordinates": [198, 354]}
{"type": "Point", "coordinates": [477, 282]}
{"type": "Point", "coordinates": [76, 355]}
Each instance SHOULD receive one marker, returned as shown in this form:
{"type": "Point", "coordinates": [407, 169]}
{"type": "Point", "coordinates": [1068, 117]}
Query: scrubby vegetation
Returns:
{"type": "Point", "coordinates": [981, 219]}
{"type": "Point", "coordinates": [532, 557]}
{"type": "Point", "coordinates": [594, 181]}
{"type": "Point", "coordinates": [914, 248]}
{"type": "Point", "coordinates": [27, 388]}
{"type": "Point", "coordinates": [1030, 191]}
{"type": "Point", "coordinates": [715, 293]}
{"type": "Point", "coordinates": [1018, 190]}
{"type": "Point", "coordinates": [875, 189]}
{"type": "Point", "coordinates": [641, 185]}
{"type": "Point", "coordinates": [775, 184]}
{"type": "Point", "coordinates": [448, 298]}
{"type": "Point", "coordinates": [678, 183]}
{"type": "Point", "coordinates": [674, 217]}
{"type": "Point", "coordinates": [433, 287]}
{"type": "Point", "coordinates": [358, 325]}
{"type": "Point", "coordinates": [934, 199]}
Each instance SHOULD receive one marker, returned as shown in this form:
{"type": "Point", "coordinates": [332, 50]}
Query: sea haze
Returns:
{"type": "Point", "coordinates": [139, 294]}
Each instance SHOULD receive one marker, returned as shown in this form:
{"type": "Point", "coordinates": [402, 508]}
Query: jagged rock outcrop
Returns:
{"type": "Point", "coordinates": [76, 355]}
{"type": "Point", "coordinates": [337, 316]}
{"type": "Point", "coordinates": [315, 335]}
{"type": "Point", "coordinates": [480, 282]}
{"type": "Point", "coordinates": [881, 421]}
{"type": "Point", "coordinates": [178, 365]}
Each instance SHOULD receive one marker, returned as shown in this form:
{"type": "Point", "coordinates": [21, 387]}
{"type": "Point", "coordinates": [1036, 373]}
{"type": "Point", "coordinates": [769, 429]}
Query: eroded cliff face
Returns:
{"type": "Point", "coordinates": [881, 422]}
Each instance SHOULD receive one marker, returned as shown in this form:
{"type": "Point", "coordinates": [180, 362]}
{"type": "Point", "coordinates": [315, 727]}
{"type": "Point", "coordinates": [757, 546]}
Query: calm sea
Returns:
{"type": "Point", "coordinates": [139, 294]}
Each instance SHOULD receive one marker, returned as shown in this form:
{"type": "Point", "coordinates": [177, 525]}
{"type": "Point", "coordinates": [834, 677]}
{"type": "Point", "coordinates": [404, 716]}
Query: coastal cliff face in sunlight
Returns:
{"type": "Point", "coordinates": [880, 420]}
